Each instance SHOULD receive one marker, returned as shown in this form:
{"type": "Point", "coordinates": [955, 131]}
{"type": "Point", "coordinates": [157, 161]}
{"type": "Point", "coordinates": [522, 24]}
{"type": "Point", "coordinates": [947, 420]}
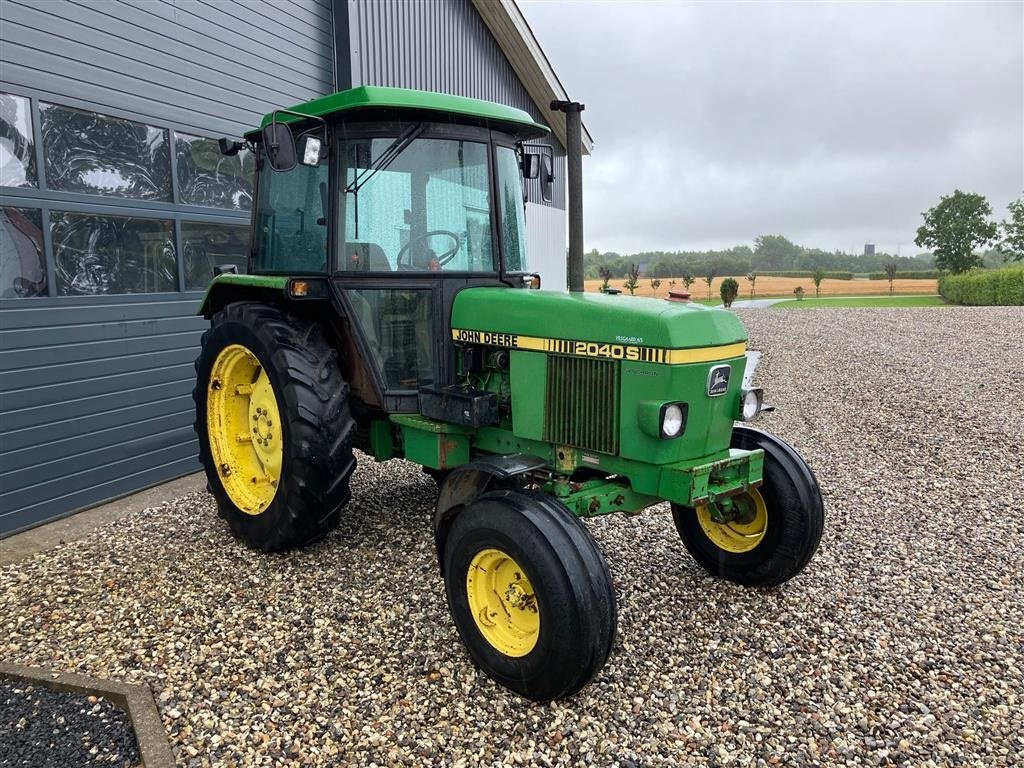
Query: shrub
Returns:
{"type": "Point", "coordinates": [981, 287]}
{"type": "Point", "coordinates": [632, 279]}
{"type": "Point", "coordinates": [729, 289]}
{"type": "Point", "coordinates": [799, 292]}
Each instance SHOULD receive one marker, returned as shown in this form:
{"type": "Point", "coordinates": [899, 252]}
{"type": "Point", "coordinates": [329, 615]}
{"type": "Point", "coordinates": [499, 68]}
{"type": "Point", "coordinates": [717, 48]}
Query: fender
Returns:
{"type": "Point", "coordinates": [469, 481]}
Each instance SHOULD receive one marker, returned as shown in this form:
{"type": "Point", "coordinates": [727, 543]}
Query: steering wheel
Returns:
{"type": "Point", "coordinates": [441, 260]}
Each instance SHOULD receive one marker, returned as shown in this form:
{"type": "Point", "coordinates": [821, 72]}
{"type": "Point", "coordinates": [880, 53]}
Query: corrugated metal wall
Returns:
{"type": "Point", "coordinates": [95, 391]}
{"type": "Point", "coordinates": [441, 45]}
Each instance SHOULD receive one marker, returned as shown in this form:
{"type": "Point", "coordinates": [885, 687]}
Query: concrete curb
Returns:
{"type": "Point", "coordinates": [136, 700]}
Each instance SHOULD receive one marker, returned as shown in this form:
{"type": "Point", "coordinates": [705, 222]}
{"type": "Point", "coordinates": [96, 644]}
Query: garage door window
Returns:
{"type": "Point", "coordinates": [99, 155]}
{"type": "Point", "coordinates": [22, 257]}
{"type": "Point", "coordinates": [206, 177]}
{"type": "Point", "coordinates": [17, 147]}
{"type": "Point", "coordinates": [112, 254]}
{"type": "Point", "coordinates": [206, 246]}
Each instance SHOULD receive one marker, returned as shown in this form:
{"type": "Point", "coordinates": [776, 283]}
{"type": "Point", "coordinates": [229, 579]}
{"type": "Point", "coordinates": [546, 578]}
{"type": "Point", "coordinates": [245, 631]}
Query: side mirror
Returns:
{"type": "Point", "coordinates": [229, 147]}
{"type": "Point", "coordinates": [279, 144]}
{"type": "Point", "coordinates": [531, 165]}
{"type": "Point", "coordinates": [547, 178]}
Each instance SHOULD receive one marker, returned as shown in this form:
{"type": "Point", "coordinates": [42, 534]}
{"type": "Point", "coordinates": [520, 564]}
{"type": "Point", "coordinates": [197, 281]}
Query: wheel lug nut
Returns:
{"type": "Point", "coordinates": [215, 384]}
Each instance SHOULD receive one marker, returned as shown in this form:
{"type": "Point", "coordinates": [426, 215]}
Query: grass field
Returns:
{"type": "Point", "coordinates": [774, 287]}
{"type": "Point", "coordinates": [863, 301]}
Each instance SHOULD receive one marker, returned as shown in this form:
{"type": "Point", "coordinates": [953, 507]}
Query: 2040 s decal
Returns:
{"type": "Point", "coordinates": [610, 351]}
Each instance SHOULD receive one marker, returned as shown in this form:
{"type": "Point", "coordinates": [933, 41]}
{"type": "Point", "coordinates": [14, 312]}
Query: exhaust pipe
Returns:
{"type": "Point", "coordinates": [574, 156]}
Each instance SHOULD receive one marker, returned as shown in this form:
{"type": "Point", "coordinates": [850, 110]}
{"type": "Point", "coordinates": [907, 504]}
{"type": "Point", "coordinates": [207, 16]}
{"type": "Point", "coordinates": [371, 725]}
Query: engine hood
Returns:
{"type": "Point", "coordinates": [594, 317]}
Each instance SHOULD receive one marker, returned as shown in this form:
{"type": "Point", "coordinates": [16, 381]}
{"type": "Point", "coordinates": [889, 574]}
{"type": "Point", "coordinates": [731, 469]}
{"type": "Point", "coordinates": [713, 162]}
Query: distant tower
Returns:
{"type": "Point", "coordinates": [869, 249]}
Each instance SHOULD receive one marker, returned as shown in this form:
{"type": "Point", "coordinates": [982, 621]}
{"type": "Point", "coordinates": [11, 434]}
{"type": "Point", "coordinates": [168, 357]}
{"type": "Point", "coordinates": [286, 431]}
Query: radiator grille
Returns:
{"type": "Point", "coordinates": [583, 403]}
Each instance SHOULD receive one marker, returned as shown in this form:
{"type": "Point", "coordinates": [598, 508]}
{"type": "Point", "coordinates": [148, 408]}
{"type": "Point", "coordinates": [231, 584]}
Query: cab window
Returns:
{"type": "Point", "coordinates": [291, 219]}
{"type": "Point", "coordinates": [414, 206]}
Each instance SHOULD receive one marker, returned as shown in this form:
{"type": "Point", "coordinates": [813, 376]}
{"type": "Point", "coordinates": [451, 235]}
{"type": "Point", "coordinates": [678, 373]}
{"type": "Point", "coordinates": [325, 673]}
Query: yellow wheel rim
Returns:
{"type": "Point", "coordinates": [503, 603]}
{"type": "Point", "coordinates": [244, 427]}
{"type": "Point", "coordinates": [737, 537]}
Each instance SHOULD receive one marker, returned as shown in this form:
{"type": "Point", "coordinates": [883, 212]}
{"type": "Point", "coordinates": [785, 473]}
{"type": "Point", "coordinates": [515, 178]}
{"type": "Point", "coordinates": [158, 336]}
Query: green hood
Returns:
{"type": "Point", "coordinates": [595, 317]}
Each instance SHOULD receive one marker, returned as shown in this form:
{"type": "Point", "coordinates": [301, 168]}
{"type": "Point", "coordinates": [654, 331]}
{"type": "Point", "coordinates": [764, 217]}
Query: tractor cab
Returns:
{"type": "Point", "coordinates": [400, 199]}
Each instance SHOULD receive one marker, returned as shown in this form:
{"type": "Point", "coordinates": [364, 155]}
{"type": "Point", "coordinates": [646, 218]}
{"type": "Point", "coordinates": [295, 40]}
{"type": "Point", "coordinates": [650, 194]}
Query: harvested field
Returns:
{"type": "Point", "coordinates": [899, 645]}
{"type": "Point", "coordinates": [768, 286]}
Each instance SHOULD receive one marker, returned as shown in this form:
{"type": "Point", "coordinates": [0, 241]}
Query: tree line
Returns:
{"type": "Point", "coordinates": [956, 231]}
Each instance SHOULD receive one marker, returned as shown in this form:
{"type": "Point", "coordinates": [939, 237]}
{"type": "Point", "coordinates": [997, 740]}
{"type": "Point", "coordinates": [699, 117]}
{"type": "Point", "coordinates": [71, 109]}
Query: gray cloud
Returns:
{"type": "Point", "coordinates": [834, 124]}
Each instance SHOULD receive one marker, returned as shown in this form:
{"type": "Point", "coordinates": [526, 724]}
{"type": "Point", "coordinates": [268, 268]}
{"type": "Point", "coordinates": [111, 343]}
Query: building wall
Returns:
{"type": "Point", "coordinates": [95, 384]}
{"type": "Point", "coordinates": [444, 46]}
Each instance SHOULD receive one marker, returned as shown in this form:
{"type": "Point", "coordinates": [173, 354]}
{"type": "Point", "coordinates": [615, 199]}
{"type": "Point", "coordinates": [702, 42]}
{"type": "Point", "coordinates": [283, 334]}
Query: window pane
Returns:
{"type": "Point", "coordinates": [206, 177]}
{"type": "Point", "coordinates": [291, 220]}
{"type": "Point", "coordinates": [22, 256]}
{"type": "Point", "coordinates": [17, 146]}
{"type": "Point", "coordinates": [429, 210]}
{"type": "Point", "coordinates": [206, 246]}
{"type": "Point", "coordinates": [112, 254]}
{"type": "Point", "coordinates": [100, 155]}
{"type": "Point", "coordinates": [510, 208]}
{"type": "Point", "coordinates": [398, 327]}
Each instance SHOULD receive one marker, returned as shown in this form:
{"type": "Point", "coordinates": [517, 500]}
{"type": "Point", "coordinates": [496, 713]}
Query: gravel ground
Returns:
{"type": "Point", "coordinates": [40, 728]}
{"type": "Point", "coordinates": [900, 644]}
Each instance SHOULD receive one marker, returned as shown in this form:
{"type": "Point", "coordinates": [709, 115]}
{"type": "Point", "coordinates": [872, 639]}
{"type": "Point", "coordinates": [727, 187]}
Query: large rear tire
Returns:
{"type": "Point", "coordinates": [274, 426]}
{"type": "Point", "coordinates": [530, 593]}
{"type": "Point", "coordinates": [780, 530]}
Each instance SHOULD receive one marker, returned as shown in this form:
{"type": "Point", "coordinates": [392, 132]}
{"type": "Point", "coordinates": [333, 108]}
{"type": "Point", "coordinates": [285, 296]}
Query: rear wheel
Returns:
{"type": "Point", "coordinates": [530, 593]}
{"type": "Point", "coordinates": [274, 426]}
{"type": "Point", "coordinates": [771, 532]}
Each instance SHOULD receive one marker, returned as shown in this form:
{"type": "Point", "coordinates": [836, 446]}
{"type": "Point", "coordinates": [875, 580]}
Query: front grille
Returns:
{"type": "Point", "coordinates": [583, 403]}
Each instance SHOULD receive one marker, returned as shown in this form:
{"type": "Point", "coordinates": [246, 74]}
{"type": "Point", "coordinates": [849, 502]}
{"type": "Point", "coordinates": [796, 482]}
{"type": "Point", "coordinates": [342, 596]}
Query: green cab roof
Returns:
{"type": "Point", "coordinates": [375, 97]}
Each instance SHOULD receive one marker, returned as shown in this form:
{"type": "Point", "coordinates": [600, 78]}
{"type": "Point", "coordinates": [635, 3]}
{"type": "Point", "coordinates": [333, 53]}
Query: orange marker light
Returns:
{"type": "Point", "coordinates": [300, 287]}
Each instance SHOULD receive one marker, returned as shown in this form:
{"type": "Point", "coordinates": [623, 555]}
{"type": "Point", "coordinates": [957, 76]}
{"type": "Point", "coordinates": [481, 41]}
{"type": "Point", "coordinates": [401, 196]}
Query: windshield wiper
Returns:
{"type": "Point", "coordinates": [384, 159]}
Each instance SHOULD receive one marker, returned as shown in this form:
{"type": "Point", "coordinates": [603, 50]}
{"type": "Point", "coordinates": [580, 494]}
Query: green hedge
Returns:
{"type": "Point", "coordinates": [807, 273]}
{"type": "Point", "coordinates": [981, 287]}
{"type": "Point", "coordinates": [908, 274]}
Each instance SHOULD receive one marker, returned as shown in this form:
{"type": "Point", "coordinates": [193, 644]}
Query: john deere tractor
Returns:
{"type": "Point", "coordinates": [389, 306]}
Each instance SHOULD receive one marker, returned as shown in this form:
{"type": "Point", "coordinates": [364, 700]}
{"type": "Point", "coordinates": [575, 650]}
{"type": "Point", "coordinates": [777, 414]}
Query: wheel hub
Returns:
{"type": "Point", "coordinates": [503, 603]}
{"type": "Point", "coordinates": [738, 526]}
{"type": "Point", "coordinates": [244, 429]}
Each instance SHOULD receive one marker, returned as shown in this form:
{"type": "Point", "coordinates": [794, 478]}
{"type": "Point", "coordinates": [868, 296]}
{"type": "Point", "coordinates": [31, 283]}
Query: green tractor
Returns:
{"type": "Point", "coordinates": [389, 307]}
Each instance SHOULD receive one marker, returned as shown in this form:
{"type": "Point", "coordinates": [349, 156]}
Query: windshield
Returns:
{"type": "Point", "coordinates": [426, 208]}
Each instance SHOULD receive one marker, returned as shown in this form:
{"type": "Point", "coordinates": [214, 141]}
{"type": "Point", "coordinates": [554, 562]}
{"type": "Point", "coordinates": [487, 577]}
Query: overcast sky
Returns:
{"type": "Point", "coordinates": [834, 124]}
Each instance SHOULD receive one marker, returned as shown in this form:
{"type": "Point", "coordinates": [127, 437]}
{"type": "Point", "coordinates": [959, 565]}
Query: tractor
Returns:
{"type": "Point", "coordinates": [389, 308]}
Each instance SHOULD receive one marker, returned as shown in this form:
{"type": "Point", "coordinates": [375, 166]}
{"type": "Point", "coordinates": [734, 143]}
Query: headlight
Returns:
{"type": "Point", "coordinates": [750, 403]}
{"type": "Point", "coordinates": [672, 420]}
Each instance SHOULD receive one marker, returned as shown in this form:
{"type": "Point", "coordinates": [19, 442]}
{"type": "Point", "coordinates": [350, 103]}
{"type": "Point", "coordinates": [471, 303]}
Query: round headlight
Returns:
{"type": "Point", "coordinates": [751, 405]}
{"type": "Point", "coordinates": [671, 421]}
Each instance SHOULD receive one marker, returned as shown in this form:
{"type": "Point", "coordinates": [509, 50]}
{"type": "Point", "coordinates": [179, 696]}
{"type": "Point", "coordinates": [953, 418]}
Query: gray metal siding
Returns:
{"type": "Point", "coordinates": [95, 392]}
{"type": "Point", "coordinates": [95, 400]}
{"type": "Point", "coordinates": [444, 46]}
{"type": "Point", "coordinates": [212, 67]}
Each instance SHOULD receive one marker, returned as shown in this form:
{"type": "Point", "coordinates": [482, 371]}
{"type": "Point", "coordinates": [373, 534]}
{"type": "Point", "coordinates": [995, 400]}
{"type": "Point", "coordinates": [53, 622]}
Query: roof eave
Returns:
{"type": "Point", "coordinates": [516, 40]}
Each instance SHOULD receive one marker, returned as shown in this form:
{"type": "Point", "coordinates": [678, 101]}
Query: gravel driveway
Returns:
{"type": "Point", "coordinates": [901, 644]}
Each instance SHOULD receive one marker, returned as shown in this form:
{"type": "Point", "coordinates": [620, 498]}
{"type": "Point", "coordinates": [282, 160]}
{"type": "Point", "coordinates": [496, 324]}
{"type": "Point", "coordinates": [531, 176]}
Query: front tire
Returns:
{"type": "Point", "coordinates": [780, 530]}
{"type": "Point", "coordinates": [274, 426]}
{"type": "Point", "coordinates": [530, 593]}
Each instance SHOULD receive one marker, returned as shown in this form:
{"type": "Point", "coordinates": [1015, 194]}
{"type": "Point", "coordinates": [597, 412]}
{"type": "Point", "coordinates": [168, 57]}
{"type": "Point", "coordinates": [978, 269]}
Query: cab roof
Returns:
{"type": "Point", "coordinates": [371, 97]}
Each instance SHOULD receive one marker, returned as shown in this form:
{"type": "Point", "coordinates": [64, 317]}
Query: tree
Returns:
{"type": "Point", "coordinates": [890, 273]}
{"type": "Point", "coordinates": [955, 228]}
{"type": "Point", "coordinates": [817, 276]}
{"type": "Point", "coordinates": [775, 252]}
{"type": "Point", "coordinates": [709, 278]}
{"type": "Point", "coordinates": [688, 280]}
{"type": "Point", "coordinates": [799, 293]}
{"type": "Point", "coordinates": [655, 285]}
{"type": "Point", "coordinates": [1012, 244]}
{"type": "Point", "coordinates": [632, 279]}
{"type": "Point", "coordinates": [729, 289]}
{"type": "Point", "coordinates": [752, 278]}
{"type": "Point", "coordinates": [605, 274]}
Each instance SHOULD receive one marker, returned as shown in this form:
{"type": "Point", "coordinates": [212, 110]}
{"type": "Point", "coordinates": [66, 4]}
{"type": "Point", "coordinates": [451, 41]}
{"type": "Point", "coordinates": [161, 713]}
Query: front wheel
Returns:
{"type": "Point", "coordinates": [773, 530]}
{"type": "Point", "coordinates": [530, 593]}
